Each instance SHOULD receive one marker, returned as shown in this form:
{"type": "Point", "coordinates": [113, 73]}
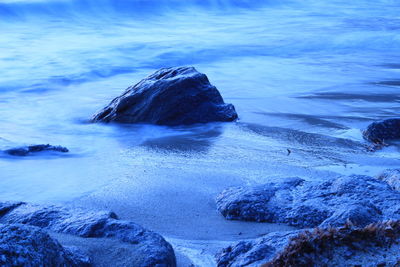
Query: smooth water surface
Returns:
{"type": "Point", "coordinates": [306, 76]}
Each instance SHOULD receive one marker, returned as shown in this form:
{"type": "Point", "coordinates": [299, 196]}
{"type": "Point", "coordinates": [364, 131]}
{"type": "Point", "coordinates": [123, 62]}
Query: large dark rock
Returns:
{"type": "Point", "coordinates": [152, 249]}
{"type": "Point", "coordinates": [23, 245]}
{"type": "Point", "coordinates": [359, 199]}
{"type": "Point", "coordinates": [381, 131]}
{"type": "Point", "coordinates": [375, 245]}
{"type": "Point", "coordinates": [27, 150]}
{"type": "Point", "coordinates": [170, 96]}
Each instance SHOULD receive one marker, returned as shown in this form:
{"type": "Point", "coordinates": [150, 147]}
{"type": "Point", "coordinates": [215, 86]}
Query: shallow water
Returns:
{"type": "Point", "coordinates": [303, 75]}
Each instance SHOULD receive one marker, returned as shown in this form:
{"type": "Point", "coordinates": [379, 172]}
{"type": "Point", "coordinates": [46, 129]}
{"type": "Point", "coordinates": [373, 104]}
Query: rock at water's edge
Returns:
{"type": "Point", "coordinates": [27, 150]}
{"type": "Point", "coordinates": [381, 131]}
{"type": "Point", "coordinates": [360, 199]}
{"type": "Point", "coordinates": [170, 96]}
{"type": "Point", "coordinates": [23, 245]}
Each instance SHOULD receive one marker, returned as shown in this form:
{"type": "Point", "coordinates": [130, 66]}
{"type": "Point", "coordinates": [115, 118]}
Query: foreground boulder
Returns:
{"type": "Point", "coordinates": [170, 96]}
{"type": "Point", "coordinates": [152, 249]}
{"type": "Point", "coordinates": [359, 199]}
{"type": "Point", "coordinates": [23, 245]}
{"type": "Point", "coordinates": [381, 131]}
{"type": "Point", "coordinates": [254, 252]}
{"type": "Point", "coordinates": [27, 150]}
{"type": "Point", "coordinates": [375, 245]}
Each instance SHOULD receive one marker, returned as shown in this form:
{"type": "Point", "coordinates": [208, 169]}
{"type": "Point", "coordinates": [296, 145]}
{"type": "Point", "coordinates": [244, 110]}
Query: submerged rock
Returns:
{"type": "Point", "coordinates": [381, 131]}
{"type": "Point", "coordinates": [392, 177]}
{"type": "Point", "coordinates": [26, 150]}
{"type": "Point", "coordinates": [375, 245]}
{"type": "Point", "coordinates": [170, 96]}
{"type": "Point", "coordinates": [152, 249]}
{"type": "Point", "coordinates": [359, 199]}
{"type": "Point", "coordinates": [23, 245]}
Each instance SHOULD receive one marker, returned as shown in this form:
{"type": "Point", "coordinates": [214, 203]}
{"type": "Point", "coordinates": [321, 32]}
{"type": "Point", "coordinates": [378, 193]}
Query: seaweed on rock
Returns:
{"type": "Point", "coordinates": [345, 246]}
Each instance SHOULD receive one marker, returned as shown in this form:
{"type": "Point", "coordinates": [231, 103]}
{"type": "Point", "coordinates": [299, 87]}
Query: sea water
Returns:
{"type": "Point", "coordinates": [306, 77]}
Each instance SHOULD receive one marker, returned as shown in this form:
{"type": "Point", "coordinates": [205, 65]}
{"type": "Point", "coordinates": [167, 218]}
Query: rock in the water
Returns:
{"type": "Point", "coordinates": [152, 249]}
{"type": "Point", "coordinates": [381, 131]}
{"type": "Point", "coordinates": [375, 245]}
{"type": "Point", "coordinates": [359, 199]}
{"type": "Point", "coordinates": [23, 245]}
{"type": "Point", "coordinates": [27, 150]}
{"type": "Point", "coordinates": [170, 96]}
{"type": "Point", "coordinates": [392, 177]}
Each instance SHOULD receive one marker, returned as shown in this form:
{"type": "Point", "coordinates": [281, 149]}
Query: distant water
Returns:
{"type": "Point", "coordinates": [301, 74]}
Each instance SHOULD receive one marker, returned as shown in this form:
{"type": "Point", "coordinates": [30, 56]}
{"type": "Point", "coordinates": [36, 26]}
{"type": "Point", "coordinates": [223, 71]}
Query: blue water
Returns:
{"type": "Point", "coordinates": [303, 75]}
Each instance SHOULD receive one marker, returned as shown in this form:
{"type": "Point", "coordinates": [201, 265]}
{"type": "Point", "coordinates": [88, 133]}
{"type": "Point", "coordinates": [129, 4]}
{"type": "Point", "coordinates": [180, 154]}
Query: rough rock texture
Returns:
{"type": "Point", "coordinates": [381, 131]}
{"type": "Point", "coordinates": [375, 245]}
{"type": "Point", "coordinates": [23, 245]}
{"type": "Point", "coordinates": [152, 248]}
{"type": "Point", "coordinates": [170, 96]}
{"type": "Point", "coordinates": [392, 177]}
{"type": "Point", "coordinates": [254, 252]}
{"type": "Point", "coordinates": [27, 150]}
{"type": "Point", "coordinates": [360, 199]}
{"type": "Point", "coordinates": [5, 207]}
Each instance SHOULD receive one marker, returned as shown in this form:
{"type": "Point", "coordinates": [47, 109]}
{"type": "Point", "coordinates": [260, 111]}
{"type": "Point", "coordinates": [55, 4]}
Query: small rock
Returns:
{"type": "Point", "coordinates": [27, 150]}
{"type": "Point", "coordinates": [381, 131]}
